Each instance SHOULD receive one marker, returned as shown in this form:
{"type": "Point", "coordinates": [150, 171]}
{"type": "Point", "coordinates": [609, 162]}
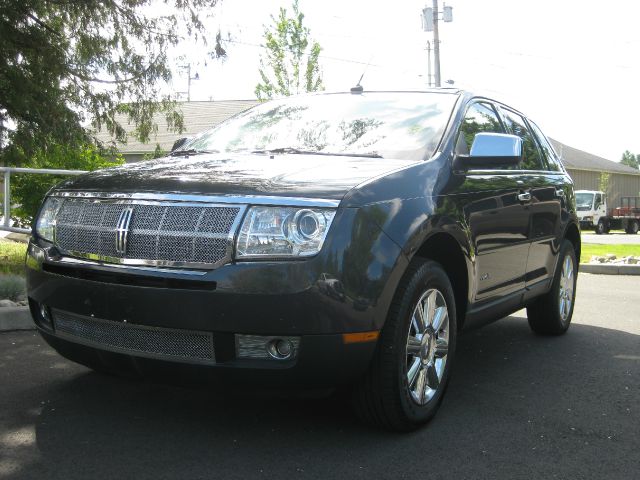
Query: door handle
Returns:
{"type": "Point", "coordinates": [560, 193]}
{"type": "Point", "coordinates": [524, 197]}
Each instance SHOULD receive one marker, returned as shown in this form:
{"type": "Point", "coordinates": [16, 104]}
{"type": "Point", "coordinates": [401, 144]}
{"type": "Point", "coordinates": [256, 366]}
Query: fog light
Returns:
{"type": "Point", "coordinates": [280, 349]}
{"type": "Point", "coordinates": [45, 316]}
{"type": "Point", "coordinates": [266, 347]}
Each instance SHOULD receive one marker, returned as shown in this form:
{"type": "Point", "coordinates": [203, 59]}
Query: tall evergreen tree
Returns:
{"type": "Point", "coordinates": [67, 67]}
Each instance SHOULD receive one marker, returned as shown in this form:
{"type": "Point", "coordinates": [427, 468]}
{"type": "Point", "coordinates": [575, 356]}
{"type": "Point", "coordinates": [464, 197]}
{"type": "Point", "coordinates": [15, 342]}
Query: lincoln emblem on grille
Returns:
{"type": "Point", "coordinates": [122, 230]}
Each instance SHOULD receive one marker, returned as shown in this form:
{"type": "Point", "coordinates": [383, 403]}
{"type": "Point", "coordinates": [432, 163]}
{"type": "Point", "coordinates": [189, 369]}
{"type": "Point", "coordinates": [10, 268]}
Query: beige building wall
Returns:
{"type": "Point", "coordinates": [620, 185]}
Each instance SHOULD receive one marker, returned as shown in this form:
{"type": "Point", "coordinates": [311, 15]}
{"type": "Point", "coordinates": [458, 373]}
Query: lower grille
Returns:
{"type": "Point", "coordinates": [161, 343]}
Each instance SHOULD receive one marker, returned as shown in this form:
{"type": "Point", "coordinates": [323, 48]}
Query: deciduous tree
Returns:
{"type": "Point", "coordinates": [290, 63]}
{"type": "Point", "coordinates": [630, 159]}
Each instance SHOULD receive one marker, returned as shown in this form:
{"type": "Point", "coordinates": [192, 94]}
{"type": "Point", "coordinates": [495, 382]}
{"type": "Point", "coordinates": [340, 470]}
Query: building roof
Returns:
{"type": "Point", "coordinates": [198, 116]}
{"type": "Point", "coordinates": [575, 159]}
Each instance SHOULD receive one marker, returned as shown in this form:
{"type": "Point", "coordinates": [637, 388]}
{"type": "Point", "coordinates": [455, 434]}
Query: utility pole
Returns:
{"type": "Point", "coordinates": [430, 19]}
{"type": "Point", "coordinates": [436, 44]}
{"type": "Point", "coordinates": [187, 67]}
{"type": "Point", "coordinates": [429, 63]}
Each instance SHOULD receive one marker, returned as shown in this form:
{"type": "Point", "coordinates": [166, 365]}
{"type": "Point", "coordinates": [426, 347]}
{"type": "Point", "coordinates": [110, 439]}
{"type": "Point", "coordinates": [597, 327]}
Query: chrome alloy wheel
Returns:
{"type": "Point", "coordinates": [427, 346]}
{"type": "Point", "coordinates": [565, 294]}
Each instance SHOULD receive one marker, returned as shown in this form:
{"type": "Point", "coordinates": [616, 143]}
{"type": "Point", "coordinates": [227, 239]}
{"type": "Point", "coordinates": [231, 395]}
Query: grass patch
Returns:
{"type": "Point", "coordinates": [590, 249]}
{"type": "Point", "coordinates": [12, 257]}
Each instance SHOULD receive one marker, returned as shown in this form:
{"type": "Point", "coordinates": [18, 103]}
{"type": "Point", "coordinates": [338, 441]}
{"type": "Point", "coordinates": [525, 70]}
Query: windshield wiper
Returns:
{"type": "Point", "coordinates": [292, 150]}
{"type": "Point", "coordinates": [190, 151]}
{"type": "Point", "coordinates": [296, 151]}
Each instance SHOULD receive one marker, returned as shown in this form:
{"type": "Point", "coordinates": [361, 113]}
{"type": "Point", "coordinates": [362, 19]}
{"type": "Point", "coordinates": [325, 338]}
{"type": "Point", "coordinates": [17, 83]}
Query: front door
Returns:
{"type": "Point", "coordinates": [496, 213]}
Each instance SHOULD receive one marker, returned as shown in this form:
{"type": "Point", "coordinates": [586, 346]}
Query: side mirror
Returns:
{"type": "Point", "coordinates": [178, 143]}
{"type": "Point", "coordinates": [491, 150]}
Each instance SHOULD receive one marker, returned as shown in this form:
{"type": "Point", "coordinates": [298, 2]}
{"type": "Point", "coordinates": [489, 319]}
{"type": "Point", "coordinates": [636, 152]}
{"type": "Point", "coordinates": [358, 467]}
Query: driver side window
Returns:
{"type": "Point", "coordinates": [598, 201]}
{"type": "Point", "coordinates": [480, 117]}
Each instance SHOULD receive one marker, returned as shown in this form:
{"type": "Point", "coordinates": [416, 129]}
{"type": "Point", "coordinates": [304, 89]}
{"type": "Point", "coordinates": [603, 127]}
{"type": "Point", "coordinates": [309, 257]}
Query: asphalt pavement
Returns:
{"type": "Point", "coordinates": [519, 406]}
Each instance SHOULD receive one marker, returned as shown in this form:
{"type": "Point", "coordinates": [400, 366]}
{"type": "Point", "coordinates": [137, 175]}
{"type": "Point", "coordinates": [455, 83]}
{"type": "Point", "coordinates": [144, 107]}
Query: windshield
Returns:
{"type": "Point", "coordinates": [390, 125]}
{"type": "Point", "coordinates": [584, 201]}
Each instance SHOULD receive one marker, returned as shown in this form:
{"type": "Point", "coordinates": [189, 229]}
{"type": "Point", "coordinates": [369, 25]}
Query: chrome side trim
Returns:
{"type": "Point", "coordinates": [199, 199]}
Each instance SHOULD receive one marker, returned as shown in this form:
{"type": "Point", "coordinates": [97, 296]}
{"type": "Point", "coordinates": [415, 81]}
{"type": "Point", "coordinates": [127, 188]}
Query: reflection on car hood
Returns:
{"type": "Point", "coordinates": [310, 176]}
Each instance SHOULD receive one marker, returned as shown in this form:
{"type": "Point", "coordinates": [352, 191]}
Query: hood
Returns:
{"type": "Point", "coordinates": [309, 176]}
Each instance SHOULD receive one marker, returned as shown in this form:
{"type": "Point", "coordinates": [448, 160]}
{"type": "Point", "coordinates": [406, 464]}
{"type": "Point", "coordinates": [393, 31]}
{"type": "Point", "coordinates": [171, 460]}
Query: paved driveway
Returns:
{"type": "Point", "coordinates": [518, 407]}
{"type": "Point", "coordinates": [611, 239]}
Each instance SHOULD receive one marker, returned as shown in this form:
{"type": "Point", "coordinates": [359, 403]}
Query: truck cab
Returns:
{"type": "Point", "coordinates": [591, 206]}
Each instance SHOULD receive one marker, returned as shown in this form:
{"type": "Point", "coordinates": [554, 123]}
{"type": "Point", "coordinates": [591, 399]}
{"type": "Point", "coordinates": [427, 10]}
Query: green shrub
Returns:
{"type": "Point", "coordinates": [12, 257]}
{"type": "Point", "coordinates": [12, 287]}
{"type": "Point", "coordinates": [28, 190]}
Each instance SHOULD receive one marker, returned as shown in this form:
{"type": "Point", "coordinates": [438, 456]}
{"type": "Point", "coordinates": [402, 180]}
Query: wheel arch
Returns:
{"type": "Point", "coordinates": [573, 235]}
{"type": "Point", "coordinates": [445, 249]}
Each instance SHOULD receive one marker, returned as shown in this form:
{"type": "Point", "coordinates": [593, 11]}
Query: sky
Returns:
{"type": "Point", "coordinates": [571, 66]}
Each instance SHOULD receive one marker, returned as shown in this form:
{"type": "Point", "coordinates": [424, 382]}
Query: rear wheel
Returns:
{"type": "Point", "coordinates": [632, 227]}
{"type": "Point", "coordinates": [551, 313]}
{"type": "Point", "coordinates": [409, 373]}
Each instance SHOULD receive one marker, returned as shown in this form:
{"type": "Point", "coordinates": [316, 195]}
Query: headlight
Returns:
{"type": "Point", "coordinates": [283, 232]}
{"type": "Point", "coordinates": [46, 224]}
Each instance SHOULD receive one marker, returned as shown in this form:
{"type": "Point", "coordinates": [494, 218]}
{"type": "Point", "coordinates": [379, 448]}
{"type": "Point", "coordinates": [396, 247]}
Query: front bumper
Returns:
{"type": "Point", "coordinates": [253, 298]}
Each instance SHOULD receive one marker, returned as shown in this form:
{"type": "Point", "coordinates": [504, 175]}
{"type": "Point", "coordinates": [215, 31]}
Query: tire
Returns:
{"type": "Point", "coordinates": [601, 228]}
{"type": "Point", "coordinates": [632, 227]}
{"type": "Point", "coordinates": [551, 313]}
{"type": "Point", "coordinates": [385, 397]}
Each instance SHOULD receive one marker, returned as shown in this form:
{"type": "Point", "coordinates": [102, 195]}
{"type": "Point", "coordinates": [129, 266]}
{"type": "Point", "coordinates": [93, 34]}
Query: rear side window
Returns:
{"type": "Point", "coordinates": [480, 117]}
{"type": "Point", "coordinates": [547, 150]}
{"type": "Point", "coordinates": [532, 159]}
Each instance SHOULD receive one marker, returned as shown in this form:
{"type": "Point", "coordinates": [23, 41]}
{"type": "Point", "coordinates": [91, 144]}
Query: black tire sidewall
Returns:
{"type": "Point", "coordinates": [429, 275]}
{"type": "Point", "coordinates": [566, 250]}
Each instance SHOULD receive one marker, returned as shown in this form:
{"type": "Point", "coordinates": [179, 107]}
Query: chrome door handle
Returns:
{"type": "Point", "coordinates": [560, 193]}
{"type": "Point", "coordinates": [524, 197]}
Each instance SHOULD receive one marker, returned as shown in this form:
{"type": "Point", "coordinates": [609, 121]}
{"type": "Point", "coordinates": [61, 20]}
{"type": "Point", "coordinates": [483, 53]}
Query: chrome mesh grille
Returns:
{"type": "Point", "coordinates": [173, 344]}
{"type": "Point", "coordinates": [158, 233]}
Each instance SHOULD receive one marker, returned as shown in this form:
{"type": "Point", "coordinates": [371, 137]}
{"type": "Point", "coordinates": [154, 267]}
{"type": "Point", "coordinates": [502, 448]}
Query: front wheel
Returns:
{"type": "Point", "coordinates": [410, 370]}
{"type": "Point", "coordinates": [551, 313]}
{"type": "Point", "coordinates": [601, 227]}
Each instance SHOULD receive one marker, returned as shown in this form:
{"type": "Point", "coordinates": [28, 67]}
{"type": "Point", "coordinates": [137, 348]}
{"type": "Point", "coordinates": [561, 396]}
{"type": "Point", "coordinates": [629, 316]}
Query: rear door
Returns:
{"type": "Point", "coordinates": [547, 182]}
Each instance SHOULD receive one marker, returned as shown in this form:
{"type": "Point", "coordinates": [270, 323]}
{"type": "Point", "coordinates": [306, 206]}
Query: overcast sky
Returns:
{"type": "Point", "coordinates": [572, 66]}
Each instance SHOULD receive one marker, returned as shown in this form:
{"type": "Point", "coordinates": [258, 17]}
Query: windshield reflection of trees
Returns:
{"type": "Point", "coordinates": [400, 129]}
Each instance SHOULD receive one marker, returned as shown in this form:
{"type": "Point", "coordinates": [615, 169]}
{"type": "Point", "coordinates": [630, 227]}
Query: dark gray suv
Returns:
{"type": "Point", "coordinates": [315, 241]}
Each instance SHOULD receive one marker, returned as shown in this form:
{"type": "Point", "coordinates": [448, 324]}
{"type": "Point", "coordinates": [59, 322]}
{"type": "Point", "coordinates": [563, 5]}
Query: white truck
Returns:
{"type": "Point", "coordinates": [592, 210]}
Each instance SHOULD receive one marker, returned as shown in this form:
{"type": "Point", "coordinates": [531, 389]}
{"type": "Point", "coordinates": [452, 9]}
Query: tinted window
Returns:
{"type": "Point", "coordinates": [531, 159]}
{"type": "Point", "coordinates": [547, 150]}
{"type": "Point", "coordinates": [480, 117]}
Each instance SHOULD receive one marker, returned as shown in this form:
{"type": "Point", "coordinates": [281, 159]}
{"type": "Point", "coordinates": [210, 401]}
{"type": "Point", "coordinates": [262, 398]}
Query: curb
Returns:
{"type": "Point", "coordinates": [609, 269]}
{"type": "Point", "coordinates": [15, 318]}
